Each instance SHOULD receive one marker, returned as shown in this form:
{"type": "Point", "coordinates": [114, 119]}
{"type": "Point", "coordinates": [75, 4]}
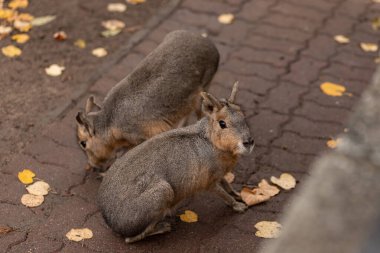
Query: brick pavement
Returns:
{"type": "Point", "coordinates": [280, 51]}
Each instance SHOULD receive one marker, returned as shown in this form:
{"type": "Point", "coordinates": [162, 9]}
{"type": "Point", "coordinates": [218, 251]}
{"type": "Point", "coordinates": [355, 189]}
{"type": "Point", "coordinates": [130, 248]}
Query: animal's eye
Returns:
{"type": "Point", "coordinates": [83, 144]}
{"type": "Point", "coordinates": [222, 124]}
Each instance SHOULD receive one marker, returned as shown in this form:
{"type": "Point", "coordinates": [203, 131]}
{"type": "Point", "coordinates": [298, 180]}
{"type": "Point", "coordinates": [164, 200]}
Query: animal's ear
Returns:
{"type": "Point", "coordinates": [210, 104]}
{"type": "Point", "coordinates": [90, 105]}
{"type": "Point", "coordinates": [233, 93]}
{"type": "Point", "coordinates": [85, 123]}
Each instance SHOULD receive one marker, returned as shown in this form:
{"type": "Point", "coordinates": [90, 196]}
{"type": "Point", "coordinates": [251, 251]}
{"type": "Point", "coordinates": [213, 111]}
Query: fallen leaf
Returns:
{"type": "Point", "coordinates": [39, 21]}
{"type": "Point", "coordinates": [79, 234]}
{"type": "Point", "coordinates": [60, 36]}
{"type": "Point", "coordinates": [286, 181]}
{"type": "Point", "coordinates": [113, 24]}
{"type": "Point", "coordinates": [39, 188]}
{"type": "Point", "coordinates": [226, 18]}
{"type": "Point", "coordinates": [26, 176]}
{"type": "Point", "coordinates": [369, 47]}
{"type": "Point", "coordinates": [54, 70]}
{"type": "Point", "coordinates": [341, 39]}
{"type": "Point", "coordinates": [15, 4]}
{"type": "Point", "coordinates": [110, 33]}
{"type": "Point", "coordinates": [116, 7]}
{"type": "Point", "coordinates": [30, 200]}
{"type": "Point", "coordinates": [253, 198]}
{"type": "Point", "coordinates": [20, 38]}
{"type": "Point", "coordinates": [24, 17]}
{"type": "Point", "coordinates": [333, 89]}
{"type": "Point", "coordinates": [133, 29]}
{"type": "Point", "coordinates": [204, 35]}
{"type": "Point", "coordinates": [229, 177]}
{"type": "Point", "coordinates": [268, 189]}
{"type": "Point", "coordinates": [80, 43]}
{"type": "Point", "coordinates": [22, 26]}
{"type": "Point", "coordinates": [5, 229]}
{"type": "Point", "coordinates": [268, 229]}
{"type": "Point", "coordinates": [6, 13]}
{"type": "Point", "coordinates": [331, 143]}
{"type": "Point", "coordinates": [134, 2]}
{"type": "Point", "coordinates": [99, 52]}
{"type": "Point", "coordinates": [189, 216]}
{"type": "Point", "coordinates": [375, 23]}
{"type": "Point", "coordinates": [4, 31]}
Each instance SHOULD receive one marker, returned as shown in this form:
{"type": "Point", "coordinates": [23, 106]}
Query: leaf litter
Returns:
{"type": "Point", "coordinates": [259, 194]}
{"type": "Point", "coordinates": [189, 216]}
{"type": "Point", "coordinates": [268, 229]}
{"type": "Point", "coordinates": [54, 70]}
{"type": "Point", "coordinates": [31, 200]}
{"type": "Point", "coordinates": [286, 181]}
{"type": "Point", "coordinates": [333, 89]}
{"type": "Point", "coordinates": [226, 18]}
{"type": "Point", "coordinates": [26, 176]}
{"type": "Point", "coordinates": [79, 234]}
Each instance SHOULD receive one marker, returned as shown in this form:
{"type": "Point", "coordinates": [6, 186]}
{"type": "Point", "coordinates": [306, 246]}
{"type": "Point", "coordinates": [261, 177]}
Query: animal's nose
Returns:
{"type": "Point", "coordinates": [248, 143]}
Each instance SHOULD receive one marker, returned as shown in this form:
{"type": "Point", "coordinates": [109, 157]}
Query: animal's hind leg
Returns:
{"type": "Point", "coordinates": [154, 228]}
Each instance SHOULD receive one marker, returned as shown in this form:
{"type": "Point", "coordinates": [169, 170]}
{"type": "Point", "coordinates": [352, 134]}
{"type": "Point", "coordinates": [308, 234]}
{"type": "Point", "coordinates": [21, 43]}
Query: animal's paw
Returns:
{"type": "Point", "coordinates": [237, 196]}
{"type": "Point", "coordinates": [239, 207]}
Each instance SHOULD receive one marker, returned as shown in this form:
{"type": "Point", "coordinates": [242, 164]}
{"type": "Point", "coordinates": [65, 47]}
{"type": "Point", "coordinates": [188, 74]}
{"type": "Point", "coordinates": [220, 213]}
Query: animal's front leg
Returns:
{"type": "Point", "coordinates": [230, 200]}
{"type": "Point", "coordinates": [228, 188]}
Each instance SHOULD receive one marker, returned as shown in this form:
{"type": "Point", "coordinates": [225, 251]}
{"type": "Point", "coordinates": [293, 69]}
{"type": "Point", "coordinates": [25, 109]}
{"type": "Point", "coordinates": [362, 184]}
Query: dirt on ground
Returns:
{"type": "Point", "coordinates": [29, 97]}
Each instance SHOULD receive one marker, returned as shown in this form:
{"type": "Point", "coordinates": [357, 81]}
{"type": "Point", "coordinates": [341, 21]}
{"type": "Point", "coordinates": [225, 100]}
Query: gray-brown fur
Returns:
{"type": "Point", "coordinates": [144, 185]}
{"type": "Point", "coordinates": [160, 93]}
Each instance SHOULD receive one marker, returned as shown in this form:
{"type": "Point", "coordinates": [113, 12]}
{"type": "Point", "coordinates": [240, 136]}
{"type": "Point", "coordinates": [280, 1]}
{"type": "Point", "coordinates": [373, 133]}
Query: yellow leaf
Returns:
{"type": "Point", "coordinates": [134, 2]}
{"type": "Point", "coordinates": [341, 39]}
{"type": "Point", "coordinates": [6, 13]}
{"type": "Point", "coordinates": [226, 18]}
{"type": "Point", "coordinates": [229, 177]}
{"type": "Point", "coordinates": [11, 51]}
{"type": "Point", "coordinates": [22, 26]}
{"type": "Point", "coordinates": [113, 24]}
{"type": "Point", "coordinates": [54, 70]}
{"type": "Point", "coordinates": [14, 4]}
{"type": "Point", "coordinates": [99, 52]}
{"type": "Point", "coordinates": [80, 43]}
{"type": "Point", "coordinates": [116, 7]}
{"type": "Point", "coordinates": [25, 17]}
{"type": "Point", "coordinates": [30, 200]}
{"type": "Point", "coordinates": [79, 234]}
{"type": "Point", "coordinates": [369, 47]}
{"type": "Point", "coordinates": [189, 216]}
{"type": "Point", "coordinates": [331, 143]}
{"type": "Point", "coordinates": [20, 38]}
{"type": "Point", "coordinates": [39, 188]}
{"type": "Point", "coordinates": [268, 229]}
{"type": "Point", "coordinates": [26, 176]}
{"type": "Point", "coordinates": [333, 89]}
{"type": "Point", "coordinates": [110, 33]}
{"type": "Point", "coordinates": [286, 181]}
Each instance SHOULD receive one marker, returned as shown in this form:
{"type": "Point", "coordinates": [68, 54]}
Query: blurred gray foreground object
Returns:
{"type": "Point", "coordinates": [338, 208]}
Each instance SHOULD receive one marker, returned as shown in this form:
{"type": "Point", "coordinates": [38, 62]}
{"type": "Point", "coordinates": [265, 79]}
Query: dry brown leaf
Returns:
{"type": "Point", "coordinates": [333, 89]}
{"type": "Point", "coordinates": [286, 181]}
{"type": "Point", "coordinates": [79, 234]}
{"type": "Point", "coordinates": [39, 21]}
{"type": "Point", "coordinates": [369, 47]}
{"type": "Point", "coordinates": [54, 70]}
{"type": "Point", "coordinates": [39, 188]}
{"type": "Point", "coordinates": [60, 36]}
{"type": "Point", "coordinates": [341, 39]}
{"type": "Point", "coordinates": [251, 197]}
{"type": "Point", "coordinates": [268, 189]}
{"type": "Point", "coordinates": [99, 52]}
{"type": "Point", "coordinates": [4, 31]}
{"type": "Point", "coordinates": [226, 18]}
{"type": "Point", "coordinates": [20, 38]}
{"type": "Point", "coordinates": [134, 2]}
{"type": "Point", "coordinates": [229, 177]}
{"type": "Point", "coordinates": [22, 26]}
{"type": "Point", "coordinates": [268, 229]}
{"type": "Point", "coordinates": [15, 4]}
{"type": "Point", "coordinates": [189, 216]}
{"type": "Point", "coordinates": [80, 43]}
{"type": "Point", "coordinates": [113, 24]}
{"type": "Point", "coordinates": [116, 7]}
{"type": "Point", "coordinates": [30, 200]}
{"type": "Point", "coordinates": [5, 229]}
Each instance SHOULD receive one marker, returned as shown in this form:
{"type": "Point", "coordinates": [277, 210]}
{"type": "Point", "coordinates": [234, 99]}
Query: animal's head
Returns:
{"type": "Point", "coordinates": [99, 152]}
{"type": "Point", "coordinates": [227, 126]}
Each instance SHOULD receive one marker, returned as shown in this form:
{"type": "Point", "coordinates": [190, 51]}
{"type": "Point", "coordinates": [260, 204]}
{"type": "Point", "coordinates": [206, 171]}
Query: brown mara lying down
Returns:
{"type": "Point", "coordinates": [145, 184]}
{"type": "Point", "coordinates": [157, 96]}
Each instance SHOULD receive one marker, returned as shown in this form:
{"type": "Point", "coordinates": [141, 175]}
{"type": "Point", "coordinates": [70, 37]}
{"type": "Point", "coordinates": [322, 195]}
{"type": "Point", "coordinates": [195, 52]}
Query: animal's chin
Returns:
{"type": "Point", "coordinates": [242, 150]}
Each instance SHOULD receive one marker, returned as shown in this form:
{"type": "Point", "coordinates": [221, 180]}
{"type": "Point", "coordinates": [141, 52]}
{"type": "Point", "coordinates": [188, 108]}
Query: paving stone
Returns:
{"type": "Point", "coordinates": [297, 144]}
{"type": "Point", "coordinates": [254, 10]}
{"type": "Point", "coordinates": [280, 33]}
{"type": "Point", "coordinates": [282, 20]}
{"type": "Point", "coordinates": [9, 240]}
{"type": "Point", "coordinates": [276, 59]}
{"type": "Point", "coordinates": [300, 11]}
{"type": "Point", "coordinates": [304, 71]}
{"type": "Point", "coordinates": [270, 44]}
{"type": "Point", "coordinates": [310, 128]}
{"type": "Point", "coordinates": [321, 47]}
{"type": "Point", "coordinates": [317, 112]}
